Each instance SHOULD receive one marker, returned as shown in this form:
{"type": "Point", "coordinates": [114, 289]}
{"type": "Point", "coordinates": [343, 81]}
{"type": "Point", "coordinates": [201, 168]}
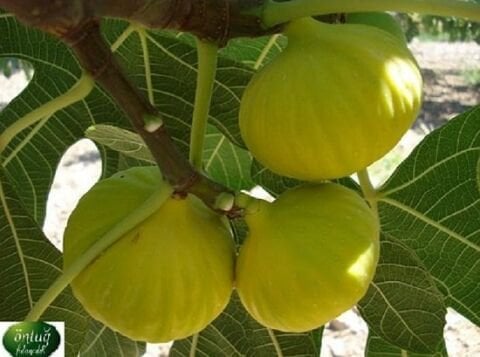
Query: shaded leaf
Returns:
{"type": "Point", "coordinates": [29, 263]}
{"type": "Point", "coordinates": [170, 65]}
{"type": "Point", "coordinates": [377, 347]}
{"type": "Point", "coordinates": [432, 205]}
{"type": "Point", "coordinates": [276, 184]}
{"type": "Point", "coordinates": [101, 341]}
{"type": "Point", "coordinates": [31, 158]}
{"type": "Point", "coordinates": [225, 162]}
{"type": "Point", "coordinates": [257, 52]}
{"type": "Point", "coordinates": [273, 183]}
{"type": "Point", "coordinates": [403, 305]}
{"type": "Point", "coordinates": [124, 141]}
{"type": "Point", "coordinates": [235, 333]}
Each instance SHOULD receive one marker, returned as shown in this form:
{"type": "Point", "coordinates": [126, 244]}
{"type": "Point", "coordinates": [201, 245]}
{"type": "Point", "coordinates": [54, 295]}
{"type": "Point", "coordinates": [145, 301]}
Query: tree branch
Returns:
{"type": "Point", "coordinates": [95, 56]}
{"type": "Point", "coordinates": [213, 20]}
{"type": "Point", "coordinates": [55, 17]}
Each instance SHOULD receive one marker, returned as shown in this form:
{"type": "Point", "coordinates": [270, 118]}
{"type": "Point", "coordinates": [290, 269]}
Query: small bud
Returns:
{"type": "Point", "coordinates": [225, 201]}
{"type": "Point", "coordinates": [152, 123]}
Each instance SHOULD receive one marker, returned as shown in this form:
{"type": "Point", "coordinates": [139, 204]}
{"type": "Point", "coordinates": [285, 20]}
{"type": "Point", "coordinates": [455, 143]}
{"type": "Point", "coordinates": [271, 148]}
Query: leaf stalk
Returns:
{"type": "Point", "coordinates": [78, 92]}
{"type": "Point", "coordinates": [207, 67]}
{"type": "Point", "coordinates": [276, 13]}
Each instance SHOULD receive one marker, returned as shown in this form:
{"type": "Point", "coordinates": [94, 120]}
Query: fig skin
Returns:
{"type": "Point", "coordinates": [168, 277]}
{"type": "Point", "coordinates": [338, 98]}
{"type": "Point", "coordinates": [308, 257]}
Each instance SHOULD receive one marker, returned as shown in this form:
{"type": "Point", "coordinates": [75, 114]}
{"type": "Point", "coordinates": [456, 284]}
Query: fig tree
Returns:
{"type": "Point", "coordinates": [338, 98]}
{"type": "Point", "coordinates": [308, 256]}
{"type": "Point", "coordinates": [168, 277]}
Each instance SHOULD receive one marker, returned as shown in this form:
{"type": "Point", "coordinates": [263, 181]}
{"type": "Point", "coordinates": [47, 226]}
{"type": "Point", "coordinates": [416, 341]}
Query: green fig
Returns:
{"type": "Point", "coordinates": [308, 256]}
{"type": "Point", "coordinates": [338, 98]}
{"type": "Point", "coordinates": [168, 277]}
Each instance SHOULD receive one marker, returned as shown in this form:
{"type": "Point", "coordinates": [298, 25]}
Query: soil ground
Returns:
{"type": "Point", "coordinates": [447, 93]}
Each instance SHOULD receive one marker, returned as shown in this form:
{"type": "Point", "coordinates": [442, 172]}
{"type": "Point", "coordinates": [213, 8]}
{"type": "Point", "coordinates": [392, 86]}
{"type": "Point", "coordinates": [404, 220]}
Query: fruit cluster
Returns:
{"type": "Point", "coordinates": [334, 101]}
{"type": "Point", "coordinates": [338, 98]}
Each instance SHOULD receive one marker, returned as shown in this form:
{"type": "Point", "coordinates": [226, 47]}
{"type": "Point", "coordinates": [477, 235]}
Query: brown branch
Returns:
{"type": "Point", "coordinates": [213, 20]}
{"type": "Point", "coordinates": [55, 17]}
{"type": "Point", "coordinates": [96, 57]}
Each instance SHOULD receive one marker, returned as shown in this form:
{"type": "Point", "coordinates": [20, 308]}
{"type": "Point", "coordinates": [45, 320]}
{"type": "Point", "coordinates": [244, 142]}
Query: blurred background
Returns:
{"type": "Point", "coordinates": [447, 50]}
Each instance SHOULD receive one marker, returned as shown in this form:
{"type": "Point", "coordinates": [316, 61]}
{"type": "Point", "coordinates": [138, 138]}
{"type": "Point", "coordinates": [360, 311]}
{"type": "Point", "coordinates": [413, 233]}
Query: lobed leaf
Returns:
{"type": "Point", "coordinates": [377, 347]}
{"type": "Point", "coordinates": [255, 53]}
{"type": "Point", "coordinates": [102, 341]}
{"type": "Point", "coordinates": [235, 333]}
{"type": "Point", "coordinates": [403, 305]}
{"type": "Point", "coordinates": [432, 205]}
{"type": "Point", "coordinates": [28, 265]}
{"type": "Point", "coordinates": [32, 156]}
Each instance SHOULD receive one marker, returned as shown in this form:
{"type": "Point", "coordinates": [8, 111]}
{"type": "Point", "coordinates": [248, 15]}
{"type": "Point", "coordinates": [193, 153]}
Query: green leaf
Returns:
{"type": "Point", "coordinates": [432, 204]}
{"type": "Point", "coordinates": [224, 162]}
{"type": "Point", "coordinates": [255, 53]}
{"type": "Point", "coordinates": [235, 333]}
{"type": "Point", "coordinates": [377, 347]}
{"type": "Point", "coordinates": [273, 183]}
{"type": "Point", "coordinates": [101, 341]}
{"type": "Point", "coordinates": [170, 65]}
{"type": "Point", "coordinates": [32, 156]}
{"type": "Point", "coordinates": [124, 141]}
{"type": "Point", "coordinates": [276, 184]}
{"type": "Point", "coordinates": [29, 264]}
{"type": "Point", "coordinates": [403, 305]}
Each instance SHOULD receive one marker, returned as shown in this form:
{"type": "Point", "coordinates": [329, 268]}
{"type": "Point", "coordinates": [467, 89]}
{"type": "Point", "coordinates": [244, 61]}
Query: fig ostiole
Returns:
{"type": "Point", "coordinates": [337, 99]}
{"type": "Point", "coordinates": [168, 277]}
{"type": "Point", "coordinates": [308, 256]}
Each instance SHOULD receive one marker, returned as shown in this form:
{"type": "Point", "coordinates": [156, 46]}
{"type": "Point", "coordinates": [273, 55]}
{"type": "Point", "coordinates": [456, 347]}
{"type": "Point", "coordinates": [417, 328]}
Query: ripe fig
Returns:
{"type": "Point", "coordinates": [381, 20]}
{"type": "Point", "coordinates": [338, 98]}
{"type": "Point", "coordinates": [308, 256]}
{"type": "Point", "coordinates": [168, 277]}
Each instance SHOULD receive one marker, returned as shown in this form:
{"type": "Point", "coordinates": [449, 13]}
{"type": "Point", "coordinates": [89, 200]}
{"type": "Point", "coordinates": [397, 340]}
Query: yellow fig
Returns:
{"type": "Point", "coordinates": [168, 277]}
{"type": "Point", "coordinates": [338, 98]}
{"type": "Point", "coordinates": [308, 256]}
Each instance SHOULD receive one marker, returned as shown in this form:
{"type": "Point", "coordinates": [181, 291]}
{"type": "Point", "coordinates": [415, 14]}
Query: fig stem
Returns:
{"type": "Point", "coordinates": [207, 67]}
{"type": "Point", "coordinates": [369, 192]}
{"type": "Point", "coordinates": [142, 35]}
{"type": "Point", "coordinates": [150, 206]}
{"type": "Point", "coordinates": [278, 349]}
{"type": "Point", "coordinates": [276, 13]}
{"type": "Point", "coordinates": [79, 91]}
{"type": "Point", "coordinates": [193, 348]}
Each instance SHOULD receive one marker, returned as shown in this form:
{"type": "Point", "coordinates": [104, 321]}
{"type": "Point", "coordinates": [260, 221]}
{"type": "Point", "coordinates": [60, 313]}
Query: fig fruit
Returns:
{"type": "Point", "coordinates": [381, 20]}
{"type": "Point", "coordinates": [168, 277]}
{"type": "Point", "coordinates": [338, 98]}
{"type": "Point", "coordinates": [308, 256]}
